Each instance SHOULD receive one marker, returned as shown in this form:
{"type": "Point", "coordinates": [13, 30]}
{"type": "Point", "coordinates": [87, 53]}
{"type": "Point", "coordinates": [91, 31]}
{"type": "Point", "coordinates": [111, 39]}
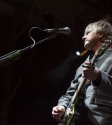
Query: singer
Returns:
{"type": "Point", "coordinates": [96, 108]}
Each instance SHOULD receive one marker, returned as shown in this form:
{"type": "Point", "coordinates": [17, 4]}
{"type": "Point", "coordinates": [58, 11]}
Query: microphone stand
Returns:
{"type": "Point", "coordinates": [13, 56]}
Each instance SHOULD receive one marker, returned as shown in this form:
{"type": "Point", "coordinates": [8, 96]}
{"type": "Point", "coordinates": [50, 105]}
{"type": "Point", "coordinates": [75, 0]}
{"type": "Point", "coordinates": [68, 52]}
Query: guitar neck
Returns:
{"type": "Point", "coordinates": [80, 86]}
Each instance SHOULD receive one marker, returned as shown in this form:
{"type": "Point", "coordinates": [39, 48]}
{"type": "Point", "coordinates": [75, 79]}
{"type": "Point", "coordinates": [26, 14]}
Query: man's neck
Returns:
{"type": "Point", "coordinates": [96, 47]}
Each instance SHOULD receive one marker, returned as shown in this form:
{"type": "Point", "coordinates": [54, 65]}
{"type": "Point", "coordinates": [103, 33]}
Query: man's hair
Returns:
{"type": "Point", "coordinates": [101, 26]}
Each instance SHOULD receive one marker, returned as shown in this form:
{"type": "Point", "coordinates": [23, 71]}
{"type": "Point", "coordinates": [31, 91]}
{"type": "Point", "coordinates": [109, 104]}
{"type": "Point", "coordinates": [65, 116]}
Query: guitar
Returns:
{"type": "Point", "coordinates": [72, 112]}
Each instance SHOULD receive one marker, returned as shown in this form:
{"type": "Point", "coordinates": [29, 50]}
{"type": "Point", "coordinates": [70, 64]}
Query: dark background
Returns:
{"type": "Point", "coordinates": [32, 85]}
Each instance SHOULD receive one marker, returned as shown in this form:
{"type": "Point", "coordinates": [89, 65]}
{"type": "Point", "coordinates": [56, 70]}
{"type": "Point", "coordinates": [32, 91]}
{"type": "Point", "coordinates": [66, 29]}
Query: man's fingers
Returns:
{"type": "Point", "coordinates": [57, 117]}
{"type": "Point", "coordinates": [87, 63]}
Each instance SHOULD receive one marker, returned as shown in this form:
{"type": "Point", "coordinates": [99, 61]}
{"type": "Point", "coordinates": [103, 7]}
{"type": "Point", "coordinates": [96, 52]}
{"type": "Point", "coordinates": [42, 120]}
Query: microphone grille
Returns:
{"type": "Point", "coordinates": [67, 30]}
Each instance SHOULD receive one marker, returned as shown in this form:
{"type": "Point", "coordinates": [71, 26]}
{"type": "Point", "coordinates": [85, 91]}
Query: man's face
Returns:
{"type": "Point", "coordinates": [91, 39]}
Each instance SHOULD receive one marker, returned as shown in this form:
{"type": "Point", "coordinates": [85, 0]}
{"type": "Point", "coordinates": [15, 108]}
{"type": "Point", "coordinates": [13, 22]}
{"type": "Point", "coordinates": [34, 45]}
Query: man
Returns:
{"type": "Point", "coordinates": [97, 107]}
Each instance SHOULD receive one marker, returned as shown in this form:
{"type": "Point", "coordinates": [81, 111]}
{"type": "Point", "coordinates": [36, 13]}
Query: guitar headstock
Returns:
{"type": "Point", "coordinates": [104, 47]}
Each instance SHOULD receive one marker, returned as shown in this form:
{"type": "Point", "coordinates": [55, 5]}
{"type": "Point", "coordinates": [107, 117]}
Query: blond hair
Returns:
{"type": "Point", "coordinates": [101, 26]}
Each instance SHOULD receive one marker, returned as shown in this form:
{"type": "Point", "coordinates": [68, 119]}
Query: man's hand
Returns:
{"type": "Point", "coordinates": [58, 112]}
{"type": "Point", "coordinates": [90, 74]}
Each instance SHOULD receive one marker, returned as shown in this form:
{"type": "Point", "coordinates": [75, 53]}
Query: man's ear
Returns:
{"type": "Point", "coordinates": [100, 35]}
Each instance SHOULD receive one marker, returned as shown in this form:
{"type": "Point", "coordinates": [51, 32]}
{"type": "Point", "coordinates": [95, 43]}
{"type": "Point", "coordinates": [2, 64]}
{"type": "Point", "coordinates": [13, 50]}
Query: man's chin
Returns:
{"type": "Point", "coordinates": [87, 47]}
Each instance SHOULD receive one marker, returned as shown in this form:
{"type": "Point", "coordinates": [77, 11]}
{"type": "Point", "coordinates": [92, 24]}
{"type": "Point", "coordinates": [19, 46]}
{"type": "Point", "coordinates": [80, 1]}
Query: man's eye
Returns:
{"type": "Point", "coordinates": [87, 33]}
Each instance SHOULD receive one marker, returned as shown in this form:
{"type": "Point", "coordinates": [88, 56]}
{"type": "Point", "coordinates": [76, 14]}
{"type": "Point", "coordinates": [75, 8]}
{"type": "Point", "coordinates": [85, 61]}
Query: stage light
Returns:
{"type": "Point", "coordinates": [77, 53]}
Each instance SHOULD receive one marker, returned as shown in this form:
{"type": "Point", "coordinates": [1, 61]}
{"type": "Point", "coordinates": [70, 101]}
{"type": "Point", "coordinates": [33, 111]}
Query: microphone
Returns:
{"type": "Point", "coordinates": [65, 30]}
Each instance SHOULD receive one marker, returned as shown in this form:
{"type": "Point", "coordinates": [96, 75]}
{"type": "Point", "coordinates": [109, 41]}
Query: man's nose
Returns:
{"type": "Point", "coordinates": [84, 37]}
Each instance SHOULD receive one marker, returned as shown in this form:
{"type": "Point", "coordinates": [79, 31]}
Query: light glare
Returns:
{"type": "Point", "coordinates": [78, 53]}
